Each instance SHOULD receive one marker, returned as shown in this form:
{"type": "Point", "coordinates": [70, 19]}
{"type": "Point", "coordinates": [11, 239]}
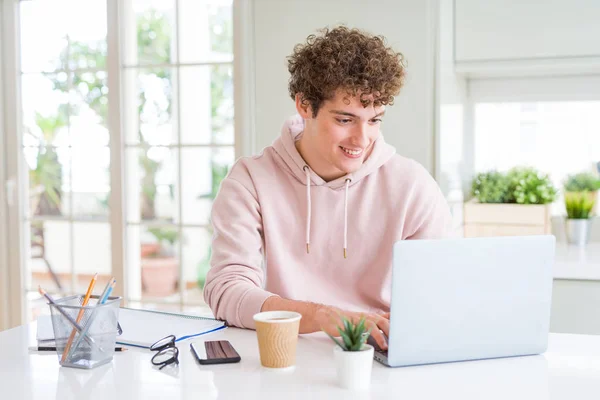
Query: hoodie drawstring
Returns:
{"type": "Point", "coordinates": [309, 209]}
{"type": "Point", "coordinates": [346, 216]}
{"type": "Point", "coordinates": [307, 171]}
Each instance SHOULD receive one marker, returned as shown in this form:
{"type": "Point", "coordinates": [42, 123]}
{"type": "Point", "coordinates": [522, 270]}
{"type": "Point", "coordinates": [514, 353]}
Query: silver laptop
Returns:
{"type": "Point", "coordinates": [469, 299]}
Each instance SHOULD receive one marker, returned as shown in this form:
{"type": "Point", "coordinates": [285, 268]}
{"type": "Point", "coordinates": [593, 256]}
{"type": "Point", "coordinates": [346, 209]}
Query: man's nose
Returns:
{"type": "Point", "coordinates": [360, 136]}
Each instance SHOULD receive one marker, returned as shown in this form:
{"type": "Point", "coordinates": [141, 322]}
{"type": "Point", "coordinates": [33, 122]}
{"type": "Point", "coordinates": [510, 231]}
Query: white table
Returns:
{"type": "Point", "coordinates": [569, 370]}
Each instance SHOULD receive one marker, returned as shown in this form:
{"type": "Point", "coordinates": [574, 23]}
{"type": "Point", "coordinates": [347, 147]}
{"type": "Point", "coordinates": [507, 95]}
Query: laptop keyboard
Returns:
{"type": "Point", "coordinates": [376, 347]}
{"type": "Point", "coordinates": [382, 352]}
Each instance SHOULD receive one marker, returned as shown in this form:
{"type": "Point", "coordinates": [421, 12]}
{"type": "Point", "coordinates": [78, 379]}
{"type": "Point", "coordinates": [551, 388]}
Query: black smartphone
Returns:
{"type": "Point", "coordinates": [215, 352]}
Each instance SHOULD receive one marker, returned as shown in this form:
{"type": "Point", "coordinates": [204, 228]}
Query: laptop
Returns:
{"type": "Point", "coordinates": [469, 299]}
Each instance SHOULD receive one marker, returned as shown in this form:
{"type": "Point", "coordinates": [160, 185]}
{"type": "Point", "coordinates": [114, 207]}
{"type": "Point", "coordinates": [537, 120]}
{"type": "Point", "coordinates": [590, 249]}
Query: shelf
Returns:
{"type": "Point", "coordinates": [577, 263]}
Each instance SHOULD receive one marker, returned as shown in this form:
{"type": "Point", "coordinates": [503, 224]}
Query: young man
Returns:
{"type": "Point", "coordinates": [309, 224]}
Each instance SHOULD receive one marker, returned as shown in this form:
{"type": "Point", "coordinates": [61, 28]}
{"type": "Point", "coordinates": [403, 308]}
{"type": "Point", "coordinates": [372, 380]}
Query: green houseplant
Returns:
{"type": "Point", "coordinates": [354, 336]}
{"type": "Point", "coordinates": [529, 186]}
{"type": "Point", "coordinates": [45, 180]}
{"type": "Point", "coordinates": [580, 197]}
{"type": "Point", "coordinates": [583, 181]}
{"type": "Point", "coordinates": [516, 202]}
{"type": "Point", "coordinates": [353, 356]}
{"type": "Point", "coordinates": [490, 187]}
{"type": "Point", "coordinates": [520, 185]}
{"type": "Point", "coordinates": [159, 264]}
{"type": "Point", "coordinates": [579, 205]}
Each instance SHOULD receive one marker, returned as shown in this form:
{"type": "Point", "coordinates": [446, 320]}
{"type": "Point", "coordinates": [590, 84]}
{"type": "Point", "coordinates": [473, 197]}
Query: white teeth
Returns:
{"type": "Point", "coordinates": [352, 152]}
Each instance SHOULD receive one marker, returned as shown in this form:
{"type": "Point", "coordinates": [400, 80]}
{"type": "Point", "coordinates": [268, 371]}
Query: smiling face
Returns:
{"type": "Point", "coordinates": [340, 138]}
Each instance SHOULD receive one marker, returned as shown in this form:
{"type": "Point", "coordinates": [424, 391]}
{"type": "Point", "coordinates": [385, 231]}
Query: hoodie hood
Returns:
{"type": "Point", "coordinates": [285, 146]}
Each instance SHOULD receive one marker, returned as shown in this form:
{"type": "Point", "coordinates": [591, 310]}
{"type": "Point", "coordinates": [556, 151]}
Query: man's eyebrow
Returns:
{"type": "Point", "coordinates": [343, 113]}
{"type": "Point", "coordinates": [339, 112]}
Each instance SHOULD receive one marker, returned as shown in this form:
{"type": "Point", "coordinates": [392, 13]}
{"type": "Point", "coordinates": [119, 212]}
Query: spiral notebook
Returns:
{"type": "Point", "coordinates": [142, 328]}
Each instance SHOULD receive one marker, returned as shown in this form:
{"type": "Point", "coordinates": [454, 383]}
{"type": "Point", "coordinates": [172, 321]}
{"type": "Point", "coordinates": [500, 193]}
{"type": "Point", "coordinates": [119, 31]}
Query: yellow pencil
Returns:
{"type": "Point", "coordinates": [79, 316]}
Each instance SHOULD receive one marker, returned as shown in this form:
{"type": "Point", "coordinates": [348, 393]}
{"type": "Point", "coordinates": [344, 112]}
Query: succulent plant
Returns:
{"type": "Point", "coordinates": [353, 335]}
{"type": "Point", "coordinates": [579, 205]}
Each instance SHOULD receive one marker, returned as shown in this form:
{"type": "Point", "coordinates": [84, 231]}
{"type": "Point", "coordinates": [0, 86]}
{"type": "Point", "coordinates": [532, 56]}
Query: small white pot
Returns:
{"type": "Point", "coordinates": [578, 231]}
{"type": "Point", "coordinates": [354, 367]}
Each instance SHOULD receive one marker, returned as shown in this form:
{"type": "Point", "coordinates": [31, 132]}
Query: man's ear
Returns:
{"type": "Point", "coordinates": [303, 108]}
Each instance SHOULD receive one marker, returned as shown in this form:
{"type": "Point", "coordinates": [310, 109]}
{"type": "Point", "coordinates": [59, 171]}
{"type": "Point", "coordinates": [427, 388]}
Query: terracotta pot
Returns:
{"type": "Point", "coordinates": [159, 275]}
{"type": "Point", "coordinates": [147, 249]}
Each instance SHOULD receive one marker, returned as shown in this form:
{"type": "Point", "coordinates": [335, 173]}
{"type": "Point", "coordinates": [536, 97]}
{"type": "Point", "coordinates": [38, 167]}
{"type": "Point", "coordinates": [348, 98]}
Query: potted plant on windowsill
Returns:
{"type": "Point", "coordinates": [159, 264]}
{"type": "Point", "coordinates": [514, 203]}
{"type": "Point", "coordinates": [353, 357]}
{"type": "Point", "coordinates": [580, 196]}
{"type": "Point", "coordinates": [160, 267]}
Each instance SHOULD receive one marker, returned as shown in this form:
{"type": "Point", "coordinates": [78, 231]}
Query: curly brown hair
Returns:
{"type": "Point", "coordinates": [346, 59]}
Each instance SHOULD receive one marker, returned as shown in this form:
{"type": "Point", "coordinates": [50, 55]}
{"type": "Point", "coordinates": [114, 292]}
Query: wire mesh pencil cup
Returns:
{"type": "Point", "coordinates": [94, 345]}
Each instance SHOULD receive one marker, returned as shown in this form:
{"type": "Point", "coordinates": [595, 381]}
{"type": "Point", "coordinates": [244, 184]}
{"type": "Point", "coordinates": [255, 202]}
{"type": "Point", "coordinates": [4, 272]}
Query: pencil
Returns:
{"type": "Point", "coordinates": [79, 316]}
{"type": "Point", "coordinates": [66, 315]}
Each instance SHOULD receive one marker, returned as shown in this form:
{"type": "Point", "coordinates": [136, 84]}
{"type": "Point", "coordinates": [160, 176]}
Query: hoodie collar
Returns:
{"type": "Point", "coordinates": [285, 146]}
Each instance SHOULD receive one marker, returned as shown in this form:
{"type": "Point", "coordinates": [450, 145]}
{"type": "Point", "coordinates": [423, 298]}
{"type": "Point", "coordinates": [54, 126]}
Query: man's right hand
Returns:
{"type": "Point", "coordinates": [318, 317]}
{"type": "Point", "coordinates": [328, 319]}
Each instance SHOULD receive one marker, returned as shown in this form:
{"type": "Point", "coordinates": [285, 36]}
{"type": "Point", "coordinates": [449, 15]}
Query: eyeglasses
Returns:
{"type": "Point", "coordinates": [167, 352]}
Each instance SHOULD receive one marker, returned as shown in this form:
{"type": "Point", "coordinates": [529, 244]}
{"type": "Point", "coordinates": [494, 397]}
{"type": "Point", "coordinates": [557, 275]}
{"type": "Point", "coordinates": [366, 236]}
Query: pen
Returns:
{"type": "Point", "coordinates": [103, 295]}
{"type": "Point", "coordinates": [48, 348]}
{"type": "Point", "coordinates": [108, 292]}
{"type": "Point", "coordinates": [110, 281]}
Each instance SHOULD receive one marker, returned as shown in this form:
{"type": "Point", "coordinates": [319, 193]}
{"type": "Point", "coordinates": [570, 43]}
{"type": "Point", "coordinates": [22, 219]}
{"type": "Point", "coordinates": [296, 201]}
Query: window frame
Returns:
{"type": "Point", "coordinates": [12, 277]}
{"type": "Point", "coordinates": [516, 89]}
{"type": "Point", "coordinates": [532, 89]}
{"type": "Point", "coordinates": [4, 311]}
{"type": "Point", "coordinates": [11, 92]}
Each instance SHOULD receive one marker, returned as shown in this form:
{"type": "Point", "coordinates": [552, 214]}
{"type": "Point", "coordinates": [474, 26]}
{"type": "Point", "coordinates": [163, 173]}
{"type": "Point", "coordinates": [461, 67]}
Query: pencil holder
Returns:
{"type": "Point", "coordinates": [93, 342]}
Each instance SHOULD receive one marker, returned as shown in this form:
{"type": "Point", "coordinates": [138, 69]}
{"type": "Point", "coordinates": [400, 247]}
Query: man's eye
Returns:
{"type": "Point", "coordinates": [344, 121]}
{"type": "Point", "coordinates": [376, 120]}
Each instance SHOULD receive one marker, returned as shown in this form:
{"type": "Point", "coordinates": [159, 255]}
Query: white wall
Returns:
{"type": "Point", "coordinates": [454, 158]}
{"type": "Point", "coordinates": [534, 29]}
{"type": "Point", "coordinates": [409, 27]}
{"type": "Point", "coordinates": [527, 38]}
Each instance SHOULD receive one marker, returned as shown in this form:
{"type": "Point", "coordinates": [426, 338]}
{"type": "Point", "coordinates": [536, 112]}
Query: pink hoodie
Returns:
{"type": "Point", "coordinates": [272, 206]}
